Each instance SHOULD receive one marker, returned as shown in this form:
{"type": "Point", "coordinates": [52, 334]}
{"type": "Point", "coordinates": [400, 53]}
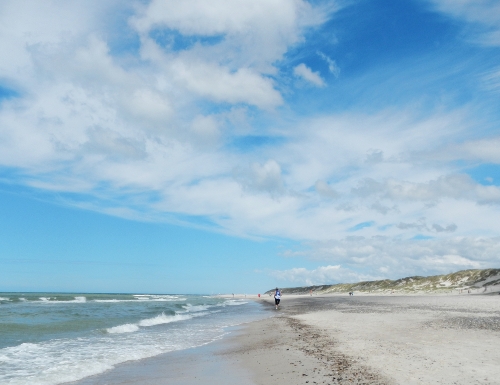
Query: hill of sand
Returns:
{"type": "Point", "coordinates": [486, 281]}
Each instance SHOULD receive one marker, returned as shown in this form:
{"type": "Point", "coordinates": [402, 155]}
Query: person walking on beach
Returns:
{"type": "Point", "coordinates": [277, 297]}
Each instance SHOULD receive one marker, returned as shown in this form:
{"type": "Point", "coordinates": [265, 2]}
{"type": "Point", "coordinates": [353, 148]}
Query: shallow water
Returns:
{"type": "Point", "coordinates": [50, 338]}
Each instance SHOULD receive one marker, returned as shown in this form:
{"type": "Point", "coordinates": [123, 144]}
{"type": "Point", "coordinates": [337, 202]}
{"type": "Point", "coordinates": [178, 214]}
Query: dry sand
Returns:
{"type": "Point", "coordinates": [388, 340]}
{"type": "Point", "coordinates": [342, 340]}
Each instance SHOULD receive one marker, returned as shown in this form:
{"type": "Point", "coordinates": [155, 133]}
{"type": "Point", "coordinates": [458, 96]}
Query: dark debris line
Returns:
{"type": "Point", "coordinates": [341, 368]}
{"type": "Point", "coordinates": [482, 323]}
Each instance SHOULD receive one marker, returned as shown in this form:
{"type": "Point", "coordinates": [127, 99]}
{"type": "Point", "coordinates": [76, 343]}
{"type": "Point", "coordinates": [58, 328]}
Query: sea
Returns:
{"type": "Point", "coordinates": [53, 338]}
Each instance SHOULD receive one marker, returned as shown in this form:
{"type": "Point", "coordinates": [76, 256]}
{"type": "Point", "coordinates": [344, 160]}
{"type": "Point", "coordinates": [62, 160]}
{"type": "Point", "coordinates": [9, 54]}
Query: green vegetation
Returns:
{"type": "Point", "coordinates": [461, 280]}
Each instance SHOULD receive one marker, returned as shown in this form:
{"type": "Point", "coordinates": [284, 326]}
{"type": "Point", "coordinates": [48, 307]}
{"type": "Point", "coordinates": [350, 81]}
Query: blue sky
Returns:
{"type": "Point", "coordinates": [232, 146]}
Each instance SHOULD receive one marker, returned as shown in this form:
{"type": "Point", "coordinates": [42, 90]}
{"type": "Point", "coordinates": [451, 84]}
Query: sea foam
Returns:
{"type": "Point", "coordinates": [196, 308]}
{"type": "Point", "coordinates": [59, 359]}
{"type": "Point", "coordinates": [145, 298]}
{"type": "Point", "coordinates": [164, 319]}
{"type": "Point", "coordinates": [234, 302]}
{"type": "Point", "coordinates": [53, 300]}
{"type": "Point", "coordinates": [126, 328]}
{"type": "Point", "coordinates": [158, 320]}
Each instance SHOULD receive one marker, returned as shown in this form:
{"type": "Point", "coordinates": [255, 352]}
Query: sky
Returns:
{"type": "Point", "coordinates": [238, 145]}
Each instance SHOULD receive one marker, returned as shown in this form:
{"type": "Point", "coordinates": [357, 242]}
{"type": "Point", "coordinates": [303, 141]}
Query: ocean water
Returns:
{"type": "Point", "coordinates": [50, 338]}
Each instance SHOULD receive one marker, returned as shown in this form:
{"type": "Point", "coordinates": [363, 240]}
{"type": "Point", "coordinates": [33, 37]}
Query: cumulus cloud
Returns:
{"type": "Point", "coordinates": [382, 209]}
{"type": "Point", "coordinates": [325, 190]}
{"type": "Point", "coordinates": [421, 225]}
{"type": "Point", "coordinates": [152, 129]}
{"type": "Point", "coordinates": [207, 129]}
{"type": "Point", "coordinates": [236, 68]}
{"type": "Point", "coordinates": [220, 84]}
{"type": "Point", "coordinates": [485, 150]}
{"type": "Point", "coordinates": [89, 111]}
{"type": "Point", "coordinates": [374, 156]}
{"type": "Point", "coordinates": [402, 257]}
{"type": "Point", "coordinates": [322, 275]}
{"type": "Point", "coordinates": [448, 229]}
{"type": "Point", "coordinates": [263, 177]}
{"type": "Point", "coordinates": [306, 73]}
{"type": "Point", "coordinates": [267, 26]}
{"type": "Point", "coordinates": [449, 186]}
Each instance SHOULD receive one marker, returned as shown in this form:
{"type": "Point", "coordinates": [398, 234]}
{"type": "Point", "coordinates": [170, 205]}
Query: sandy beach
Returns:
{"type": "Point", "coordinates": [341, 340]}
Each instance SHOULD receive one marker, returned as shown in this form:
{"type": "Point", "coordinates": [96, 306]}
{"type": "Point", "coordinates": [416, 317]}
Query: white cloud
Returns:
{"type": "Point", "coordinates": [150, 134]}
{"type": "Point", "coordinates": [207, 129]}
{"type": "Point", "coordinates": [196, 17]}
{"type": "Point", "coordinates": [263, 177]}
{"type": "Point", "coordinates": [485, 150]}
{"type": "Point", "coordinates": [148, 104]}
{"type": "Point", "coordinates": [322, 275]}
{"type": "Point", "coordinates": [27, 26]}
{"type": "Point", "coordinates": [81, 103]}
{"type": "Point", "coordinates": [248, 194]}
{"type": "Point", "coordinates": [220, 84]}
{"type": "Point", "coordinates": [237, 68]}
{"type": "Point", "coordinates": [323, 189]}
{"type": "Point", "coordinates": [259, 31]}
{"type": "Point", "coordinates": [383, 209]}
{"type": "Point", "coordinates": [484, 14]}
{"type": "Point", "coordinates": [452, 186]}
{"type": "Point", "coordinates": [408, 257]}
{"type": "Point", "coordinates": [421, 225]}
{"type": "Point", "coordinates": [332, 65]}
{"type": "Point", "coordinates": [306, 73]}
{"type": "Point", "coordinates": [491, 80]}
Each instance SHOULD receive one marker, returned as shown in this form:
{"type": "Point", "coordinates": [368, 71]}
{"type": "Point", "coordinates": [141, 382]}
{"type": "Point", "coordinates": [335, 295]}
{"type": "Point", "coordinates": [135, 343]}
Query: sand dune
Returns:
{"type": "Point", "coordinates": [465, 281]}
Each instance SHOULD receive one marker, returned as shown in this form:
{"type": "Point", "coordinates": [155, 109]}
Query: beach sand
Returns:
{"type": "Point", "coordinates": [341, 340]}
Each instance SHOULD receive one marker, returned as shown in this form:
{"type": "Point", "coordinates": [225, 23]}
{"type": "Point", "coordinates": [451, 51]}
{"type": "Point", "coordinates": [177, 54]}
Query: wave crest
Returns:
{"type": "Point", "coordinates": [158, 320]}
{"type": "Point", "coordinates": [164, 319]}
{"type": "Point", "coordinates": [126, 328]}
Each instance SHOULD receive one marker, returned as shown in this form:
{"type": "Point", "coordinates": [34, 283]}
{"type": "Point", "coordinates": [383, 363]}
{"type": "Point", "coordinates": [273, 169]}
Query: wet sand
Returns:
{"type": "Point", "coordinates": [197, 366]}
{"type": "Point", "coordinates": [341, 340]}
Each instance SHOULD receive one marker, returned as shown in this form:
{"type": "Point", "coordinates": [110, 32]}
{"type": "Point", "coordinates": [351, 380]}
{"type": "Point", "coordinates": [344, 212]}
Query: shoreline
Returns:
{"type": "Point", "coordinates": [195, 366]}
{"type": "Point", "coordinates": [340, 340]}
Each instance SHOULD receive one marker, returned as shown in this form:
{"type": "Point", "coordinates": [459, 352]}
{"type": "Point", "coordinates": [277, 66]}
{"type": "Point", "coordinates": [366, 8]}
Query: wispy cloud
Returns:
{"type": "Point", "coordinates": [146, 121]}
{"type": "Point", "coordinates": [306, 73]}
{"type": "Point", "coordinates": [397, 258]}
{"type": "Point", "coordinates": [332, 65]}
{"type": "Point", "coordinates": [322, 275]}
{"type": "Point", "coordinates": [483, 17]}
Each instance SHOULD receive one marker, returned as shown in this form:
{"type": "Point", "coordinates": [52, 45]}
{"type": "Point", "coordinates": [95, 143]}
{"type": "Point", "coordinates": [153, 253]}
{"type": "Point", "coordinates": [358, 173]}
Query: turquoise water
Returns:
{"type": "Point", "coordinates": [51, 338]}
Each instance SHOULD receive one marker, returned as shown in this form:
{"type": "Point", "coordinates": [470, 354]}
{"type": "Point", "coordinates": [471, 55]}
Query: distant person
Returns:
{"type": "Point", "coordinates": [277, 297]}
